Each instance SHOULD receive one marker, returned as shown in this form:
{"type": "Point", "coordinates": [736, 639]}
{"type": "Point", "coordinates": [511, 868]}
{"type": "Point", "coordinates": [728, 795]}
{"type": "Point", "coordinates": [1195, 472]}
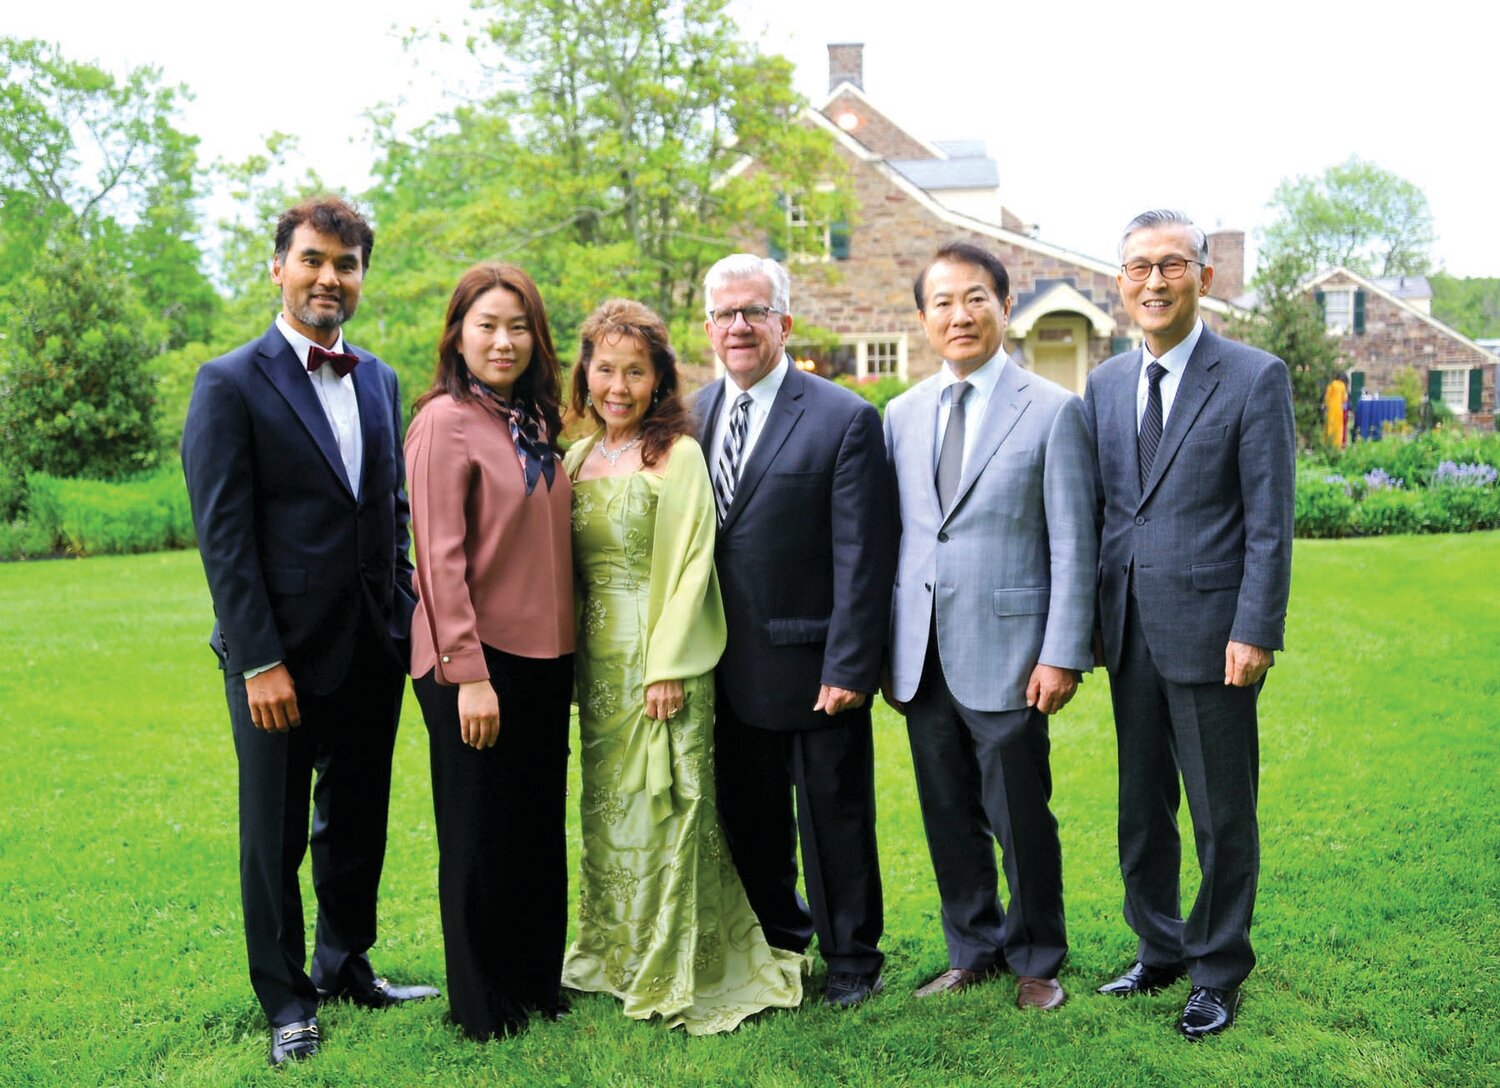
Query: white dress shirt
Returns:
{"type": "Point", "coordinates": [983, 381]}
{"type": "Point", "coordinates": [1174, 361]}
{"type": "Point", "coordinates": [762, 394]}
{"type": "Point", "coordinates": [339, 402]}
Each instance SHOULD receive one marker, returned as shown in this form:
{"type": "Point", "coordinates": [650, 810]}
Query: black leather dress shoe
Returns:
{"type": "Point", "coordinates": [845, 989]}
{"type": "Point", "coordinates": [293, 1042]}
{"type": "Point", "coordinates": [1208, 1011]}
{"type": "Point", "coordinates": [1143, 979]}
{"type": "Point", "coordinates": [379, 994]}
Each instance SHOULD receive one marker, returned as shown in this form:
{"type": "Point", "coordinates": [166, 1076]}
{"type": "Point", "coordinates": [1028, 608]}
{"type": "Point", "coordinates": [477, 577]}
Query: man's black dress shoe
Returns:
{"type": "Point", "coordinates": [379, 994]}
{"type": "Point", "coordinates": [1208, 1011]}
{"type": "Point", "coordinates": [293, 1042]}
{"type": "Point", "coordinates": [845, 989]}
{"type": "Point", "coordinates": [1143, 979]}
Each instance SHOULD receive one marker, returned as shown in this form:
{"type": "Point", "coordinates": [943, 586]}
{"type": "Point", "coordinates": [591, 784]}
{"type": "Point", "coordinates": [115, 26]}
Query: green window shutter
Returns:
{"type": "Point", "coordinates": [1476, 388]}
{"type": "Point", "coordinates": [1359, 313]}
{"type": "Point", "coordinates": [1119, 345]}
{"type": "Point", "coordinates": [1356, 384]}
{"type": "Point", "coordinates": [774, 249]}
{"type": "Point", "coordinates": [838, 240]}
{"type": "Point", "coordinates": [1322, 306]}
{"type": "Point", "coordinates": [1434, 386]}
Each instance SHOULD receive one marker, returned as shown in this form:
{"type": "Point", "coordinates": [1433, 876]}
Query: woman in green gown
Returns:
{"type": "Point", "coordinates": [663, 920]}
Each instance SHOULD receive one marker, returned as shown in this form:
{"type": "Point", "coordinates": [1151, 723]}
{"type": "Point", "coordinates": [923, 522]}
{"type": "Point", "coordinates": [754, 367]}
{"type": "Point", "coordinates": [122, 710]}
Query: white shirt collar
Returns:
{"type": "Point", "coordinates": [301, 344]}
{"type": "Point", "coordinates": [763, 392]}
{"type": "Point", "coordinates": [1175, 359]}
{"type": "Point", "coordinates": [983, 378]}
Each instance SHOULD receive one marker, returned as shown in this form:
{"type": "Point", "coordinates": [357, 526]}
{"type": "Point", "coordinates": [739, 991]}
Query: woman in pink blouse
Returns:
{"type": "Point", "coordinates": [492, 646]}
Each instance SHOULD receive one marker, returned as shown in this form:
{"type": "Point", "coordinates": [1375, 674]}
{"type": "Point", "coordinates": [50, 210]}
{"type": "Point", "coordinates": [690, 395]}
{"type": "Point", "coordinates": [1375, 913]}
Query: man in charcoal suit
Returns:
{"type": "Point", "coordinates": [292, 452]}
{"type": "Point", "coordinates": [805, 555]}
{"type": "Point", "coordinates": [1195, 445]}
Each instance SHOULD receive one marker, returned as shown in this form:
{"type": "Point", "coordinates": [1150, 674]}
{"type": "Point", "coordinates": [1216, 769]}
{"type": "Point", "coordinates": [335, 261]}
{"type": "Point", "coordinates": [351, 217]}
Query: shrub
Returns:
{"type": "Point", "coordinates": [25, 540]}
{"type": "Point", "coordinates": [91, 517]}
{"type": "Point", "coordinates": [1324, 505]}
{"type": "Point", "coordinates": [1461, 508]}
{"type": "Point", "coordinates": [878, 391]}
{"type": "Point", "coordinates": [1389, 510]}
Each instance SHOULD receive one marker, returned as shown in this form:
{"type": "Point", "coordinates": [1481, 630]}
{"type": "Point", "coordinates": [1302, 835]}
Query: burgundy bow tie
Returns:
{"type": "Point", "coordinates": [341, 361]}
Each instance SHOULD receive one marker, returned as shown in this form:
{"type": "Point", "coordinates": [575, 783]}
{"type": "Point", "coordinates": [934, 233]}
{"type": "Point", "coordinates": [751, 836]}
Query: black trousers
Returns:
{"type": "Point", "coordinates": [1208, 733]}
{"type": "Point", "coordinates": [502, 850]}
{"type": "Point", "coordinates": [347, 737]}
{"type": "Point", "coordinates": [983, 777]}
{"type": "Point", "coordinates": [832, 774]}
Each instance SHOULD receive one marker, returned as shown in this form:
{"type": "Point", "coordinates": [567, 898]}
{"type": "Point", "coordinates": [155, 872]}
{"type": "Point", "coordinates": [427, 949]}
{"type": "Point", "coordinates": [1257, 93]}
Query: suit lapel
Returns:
{"type": "Point", "coordinates": [786, 409]}
{"type": "Point", "coordinates": [922, 430]}
{"type": "Point", "coordinates": [373, 413]}
{"type": "Point", "coordinates": [1007, 404]}
{"type": "Point", "coordinates": [1193, 391]}
{"type": "Point", "coordinates": [708, 406]}
{"type": "Point", "coordinates": [278, 362]}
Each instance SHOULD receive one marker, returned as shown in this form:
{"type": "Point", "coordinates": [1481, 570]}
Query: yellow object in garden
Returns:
{"type": "Point", "coordinates": [1335, 404]}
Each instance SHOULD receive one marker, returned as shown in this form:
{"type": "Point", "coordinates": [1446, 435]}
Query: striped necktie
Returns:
{"type": "Point", "coordinates": [727, 470]}
{"type": "Point", "coordinates": [1150, 436]}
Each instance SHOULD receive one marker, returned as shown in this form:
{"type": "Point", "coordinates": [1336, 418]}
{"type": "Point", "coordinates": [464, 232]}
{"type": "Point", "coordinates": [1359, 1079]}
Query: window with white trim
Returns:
{"type": "Point", "coordinates": [1338, 310]}
{"type": "Point", "coordinates": [1456, 389]}
{"type": "Point", "coordinates": [865, 358]}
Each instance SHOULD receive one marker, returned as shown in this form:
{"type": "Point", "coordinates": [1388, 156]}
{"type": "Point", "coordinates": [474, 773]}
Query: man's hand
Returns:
{"type": "Point", "coordinates": [833, 700]}
{"type": "Point", "coordinates": [1050, 688]}
{"type": "Point", "coordinates": [1245, 664]}
{"type": "Point", "coordinates": [273, 700]}
{"type": "Point", "coordinates": [664, 699]}
{"type": "Point", "coordinates": [478, 714]}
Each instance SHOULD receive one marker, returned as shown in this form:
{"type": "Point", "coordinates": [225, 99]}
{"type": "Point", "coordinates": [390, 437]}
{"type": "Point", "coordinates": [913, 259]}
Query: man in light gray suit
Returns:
{"type": "Point", "coordinates": [992, 620]}
{"type": "Point", "coordinates": [1195, 447]}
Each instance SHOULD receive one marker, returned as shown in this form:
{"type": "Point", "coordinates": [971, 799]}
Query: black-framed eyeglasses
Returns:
{"type": "Point", "coordinates": [753, 315]}
{"type": "Point", "coordinates": [1172, 268]}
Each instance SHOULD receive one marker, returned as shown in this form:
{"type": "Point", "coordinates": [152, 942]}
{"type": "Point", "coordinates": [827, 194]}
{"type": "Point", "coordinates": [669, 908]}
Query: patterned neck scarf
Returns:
{"type": "Point", "coordinates": [528, 431]}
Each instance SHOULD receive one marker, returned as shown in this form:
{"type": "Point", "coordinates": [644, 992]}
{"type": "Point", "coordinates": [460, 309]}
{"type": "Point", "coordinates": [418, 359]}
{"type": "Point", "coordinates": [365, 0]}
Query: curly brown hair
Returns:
{"type": "Point", "coordinates": [540, 386]}
{"type": "Point", "coordinates": [667, 417]}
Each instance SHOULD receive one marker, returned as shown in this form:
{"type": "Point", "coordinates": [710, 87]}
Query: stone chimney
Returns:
{"type": "Point", "coordinates": [1226, 252]}
{"type": "Point", "coordinates": [846, 64]}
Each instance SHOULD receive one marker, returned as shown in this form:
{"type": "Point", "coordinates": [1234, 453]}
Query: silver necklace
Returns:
{"type": "Point", "coordinates": [613, 455]}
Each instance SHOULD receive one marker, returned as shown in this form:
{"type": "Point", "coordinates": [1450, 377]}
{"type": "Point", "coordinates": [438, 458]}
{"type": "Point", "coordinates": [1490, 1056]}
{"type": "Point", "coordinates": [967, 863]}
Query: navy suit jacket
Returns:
{"type": "Point", "coordinates": [806, 554]}
{"type": "Point", "coordinates": [1210, 534]}
{"type": "Point", "coordinates": [294, 562]}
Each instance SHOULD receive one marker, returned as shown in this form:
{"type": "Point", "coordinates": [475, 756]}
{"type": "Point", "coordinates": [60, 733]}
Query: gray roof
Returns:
{"type": "Point", "coordinates": [962, 149]}
{"type": "Point", "coordinates": [931, 174]}
{"type": "Point", "coordinates": [1404, 286]}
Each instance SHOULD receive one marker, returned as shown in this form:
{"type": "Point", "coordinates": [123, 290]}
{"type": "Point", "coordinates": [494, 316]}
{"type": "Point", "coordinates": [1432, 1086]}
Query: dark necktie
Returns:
{"type": "Point", "coordinates": [1150, 436]}
{"type": "Point", "coordinates": [727, 471]}
{"type": "Point", "coordinates": [341, 361]}
{"type": "Point", "coordinates": [951, 457]}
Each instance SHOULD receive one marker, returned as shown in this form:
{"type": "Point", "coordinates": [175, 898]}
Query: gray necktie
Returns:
{"type": "Point", "coordinates": [951, 457]}
{"type": "Point", "coordinates": [1150, 436]}
{"type": "Point", "coordinates": [727, 469]}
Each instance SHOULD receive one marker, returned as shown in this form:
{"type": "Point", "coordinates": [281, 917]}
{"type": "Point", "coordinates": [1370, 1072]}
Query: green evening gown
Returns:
{"type": "Point", "coordinates": [663, 920]}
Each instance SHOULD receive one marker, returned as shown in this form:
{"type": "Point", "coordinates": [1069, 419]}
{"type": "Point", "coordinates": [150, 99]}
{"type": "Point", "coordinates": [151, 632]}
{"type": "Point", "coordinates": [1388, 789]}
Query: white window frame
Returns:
{"type": "Point", "coordinates": [1333, 326]}
{"type": "Point", "coordinates": [1460, 374]}
{"type": "Point", "coordinates": [800, 230]}
{"type": "Point", "coordinates": [862, 342]}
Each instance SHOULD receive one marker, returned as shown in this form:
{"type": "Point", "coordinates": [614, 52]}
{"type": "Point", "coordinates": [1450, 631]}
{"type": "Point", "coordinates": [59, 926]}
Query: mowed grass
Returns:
{"type": "Point", "coordinates": [121, 959]}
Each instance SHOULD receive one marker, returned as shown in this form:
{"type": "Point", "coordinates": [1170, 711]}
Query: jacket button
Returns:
{"type": "Point", "coordinates": [927, 586]}
{"type": "Point", "coordinates": [1140, 521]}
{"type": "Point", "coordinates": [446, 659]}
{"type": "Point", "coordinates": [943, 538]}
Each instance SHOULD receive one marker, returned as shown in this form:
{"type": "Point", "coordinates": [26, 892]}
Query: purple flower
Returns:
{"type": "Point", "coordinates": [1469, 474]}
{"type": "Point", "coordinates": [1377, 479]}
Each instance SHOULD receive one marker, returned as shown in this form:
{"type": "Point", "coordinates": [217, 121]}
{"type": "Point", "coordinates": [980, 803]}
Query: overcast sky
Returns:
{"type": "Point", "coordinates": [1093, 110]}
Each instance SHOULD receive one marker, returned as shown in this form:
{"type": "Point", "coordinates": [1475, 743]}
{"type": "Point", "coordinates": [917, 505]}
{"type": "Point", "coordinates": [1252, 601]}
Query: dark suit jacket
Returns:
{"type": "Point", "coordinates": [1210, 536]}
{"type": "Point", "coordinates": [293, 560]}
{"type": "Point", "coordinates": [806, 554]}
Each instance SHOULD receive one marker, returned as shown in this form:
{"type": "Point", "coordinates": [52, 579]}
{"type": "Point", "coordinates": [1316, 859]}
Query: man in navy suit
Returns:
{"type": "Point", "coordinates": [292, 453]}
{"type": "Point", "coordinates": [806, 558]}
{"type": "Point", "coordinates": [1195, 447]}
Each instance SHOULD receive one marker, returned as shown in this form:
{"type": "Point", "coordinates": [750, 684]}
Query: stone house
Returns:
{"type": "Point", "coordinates": [852, 283]}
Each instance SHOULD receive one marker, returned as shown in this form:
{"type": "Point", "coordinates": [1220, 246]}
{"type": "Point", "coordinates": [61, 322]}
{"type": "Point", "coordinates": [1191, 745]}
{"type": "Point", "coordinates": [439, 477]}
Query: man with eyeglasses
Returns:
{"type": "Point", "coordinates": [1195, 447]}
{"type": "Point", "coordinates": [805, 558]}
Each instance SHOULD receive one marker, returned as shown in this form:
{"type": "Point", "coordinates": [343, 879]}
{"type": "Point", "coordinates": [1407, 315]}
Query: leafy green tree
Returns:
{"type": "Point", "coordinates": [101, 157]}
{"type": "Point", "coordinates": [1354, 214]}
{"type": "Point", "coordinates": [76, 397]}
{"type": "Point", "coordinates": [1471, 305]}
{"type": "Point", "coordinates": [603, 163]}
{"type": "Point", "coordinates": [1285, 321]}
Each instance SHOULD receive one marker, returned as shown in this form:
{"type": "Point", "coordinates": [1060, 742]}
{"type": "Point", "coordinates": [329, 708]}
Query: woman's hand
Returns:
{"type": "Point", "coordinates": [664, 699]}
{"type": "Point", "coordinates": [479, 714]}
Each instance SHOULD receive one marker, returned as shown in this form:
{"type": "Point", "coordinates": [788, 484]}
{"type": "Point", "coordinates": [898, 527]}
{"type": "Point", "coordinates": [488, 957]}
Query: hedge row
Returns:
{"type": "Point", "coordinates": [90, 517]}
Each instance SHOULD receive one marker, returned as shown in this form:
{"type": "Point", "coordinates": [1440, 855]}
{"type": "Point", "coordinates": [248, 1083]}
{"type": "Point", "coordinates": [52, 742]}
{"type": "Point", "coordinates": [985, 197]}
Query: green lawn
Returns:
{"type": "Point", "coordinates": [121, 959]}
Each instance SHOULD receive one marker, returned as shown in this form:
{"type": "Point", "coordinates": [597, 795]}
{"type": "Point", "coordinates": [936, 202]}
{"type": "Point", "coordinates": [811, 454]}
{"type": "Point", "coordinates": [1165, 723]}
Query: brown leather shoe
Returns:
{"type": "Point", "coordinates": [1038, 993]}
{"type": "Point", "coordinates": [957, 979]}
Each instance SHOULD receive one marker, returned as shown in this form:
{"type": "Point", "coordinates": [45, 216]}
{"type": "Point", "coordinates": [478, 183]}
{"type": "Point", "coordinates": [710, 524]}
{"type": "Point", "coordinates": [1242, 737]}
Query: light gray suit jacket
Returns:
{"type": "Point", "coordinates": [1011, 566]}
{"type": "Point", "coordinates": [1210, 535]}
